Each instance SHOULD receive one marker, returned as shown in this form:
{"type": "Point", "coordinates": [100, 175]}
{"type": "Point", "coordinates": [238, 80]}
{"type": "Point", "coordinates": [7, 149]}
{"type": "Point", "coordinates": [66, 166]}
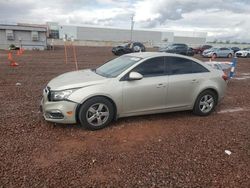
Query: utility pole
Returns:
{"type": "Point", "coordinates": [132, 27]}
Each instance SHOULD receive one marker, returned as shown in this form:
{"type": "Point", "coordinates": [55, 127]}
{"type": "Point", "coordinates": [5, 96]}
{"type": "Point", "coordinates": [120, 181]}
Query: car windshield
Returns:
{"type": "Point", "coordinates": [171, 47]}
{"type": "Point", "coordinates": [125, 45]}
{"type": "Point", "coordinates": [247, 49]}
{"type": "Point", "coordinates": [116, 66]}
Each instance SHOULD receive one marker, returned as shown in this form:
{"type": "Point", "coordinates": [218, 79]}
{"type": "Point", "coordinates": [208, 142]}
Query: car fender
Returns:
{"type": "Point", "coordinates": [106, 90]}
{"type": "Point", "coordinates": [206, 85]}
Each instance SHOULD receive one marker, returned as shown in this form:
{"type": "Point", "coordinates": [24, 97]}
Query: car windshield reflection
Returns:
{"type": "Point", "coordinates": [116, 66]}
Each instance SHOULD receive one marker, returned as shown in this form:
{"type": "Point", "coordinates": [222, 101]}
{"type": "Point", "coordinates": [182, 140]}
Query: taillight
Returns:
{"type": "Point", "coordinates": [225, 77]}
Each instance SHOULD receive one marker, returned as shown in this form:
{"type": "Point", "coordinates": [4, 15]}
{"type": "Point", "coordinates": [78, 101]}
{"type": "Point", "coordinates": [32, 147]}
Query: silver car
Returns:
{"type": "Point", "coordinates": [133, 84]}
{"type": "Point", "coordinates": [218, 52]}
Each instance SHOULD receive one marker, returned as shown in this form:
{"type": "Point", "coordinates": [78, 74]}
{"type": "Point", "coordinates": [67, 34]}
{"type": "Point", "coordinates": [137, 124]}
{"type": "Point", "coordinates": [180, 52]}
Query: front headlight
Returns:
{"type": "Point", "coordinates": [61, 95]}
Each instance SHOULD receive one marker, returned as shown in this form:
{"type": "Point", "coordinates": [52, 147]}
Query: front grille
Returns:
{"type": "Point", "coordinates": [238, 54]}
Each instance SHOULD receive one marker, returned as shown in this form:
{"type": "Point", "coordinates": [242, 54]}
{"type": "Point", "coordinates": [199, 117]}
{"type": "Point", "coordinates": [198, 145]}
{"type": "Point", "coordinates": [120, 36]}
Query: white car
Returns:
{"type": "Point", "coordinates": [243, 53]}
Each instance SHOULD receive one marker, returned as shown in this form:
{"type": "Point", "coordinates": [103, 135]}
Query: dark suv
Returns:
{"type": "Point", "coordinates": [129, 48]}
{"type": "Point", "coordinates": [178, 48]}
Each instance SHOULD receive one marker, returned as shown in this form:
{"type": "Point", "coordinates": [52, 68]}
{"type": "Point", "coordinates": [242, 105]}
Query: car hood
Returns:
{"type": "Point", "coordinates": [208, 51]}
{"type": "Point", "coordinates": [76, 79]}
{"type": "Point", "coordinates": [243, 51]}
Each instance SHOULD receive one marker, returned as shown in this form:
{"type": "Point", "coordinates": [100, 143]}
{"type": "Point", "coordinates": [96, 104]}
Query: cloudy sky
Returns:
{"type": "Point", "coordinates": [221, 19]}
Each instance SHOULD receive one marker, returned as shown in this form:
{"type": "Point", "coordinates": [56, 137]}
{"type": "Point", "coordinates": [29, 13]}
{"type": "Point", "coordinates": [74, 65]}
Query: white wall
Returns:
{"type": "Point", "coordinates": [70, 31]}
{"type": "Point", "coordinates": [116, 35]}
{"type": "Point", "coordinates": [154, 38]}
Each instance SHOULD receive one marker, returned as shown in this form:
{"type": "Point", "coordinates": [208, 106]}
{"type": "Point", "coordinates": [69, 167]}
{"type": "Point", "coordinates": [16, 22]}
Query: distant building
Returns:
{"type": "Point", "coordinates": [53, 30]}
{"type": "Point", "coordinates": [25, 36]}
{"type": "Point", "coordinates": [154, 37]}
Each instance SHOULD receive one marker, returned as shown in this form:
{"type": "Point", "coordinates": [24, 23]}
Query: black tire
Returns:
{"type": "Point", "coordinates": [215, 55]}
{"type": "Point", "coordinates": [198, 106]}
{"type": "Point", "coordinates": [230, 55]}
{"type": "Point", "coordinates": [87, 110]}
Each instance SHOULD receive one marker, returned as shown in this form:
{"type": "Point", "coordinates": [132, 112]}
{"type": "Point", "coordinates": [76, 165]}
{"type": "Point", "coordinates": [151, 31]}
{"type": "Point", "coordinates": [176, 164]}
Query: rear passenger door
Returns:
{"type": "Point", "coordinates": [185, 77]}
{"type": "Point", "coordinates": [224, 52]}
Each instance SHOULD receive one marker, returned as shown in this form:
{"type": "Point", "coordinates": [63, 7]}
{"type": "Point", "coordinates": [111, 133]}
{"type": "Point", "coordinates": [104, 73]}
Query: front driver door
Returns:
{"type": "Point", "coordinates": [149, 93]}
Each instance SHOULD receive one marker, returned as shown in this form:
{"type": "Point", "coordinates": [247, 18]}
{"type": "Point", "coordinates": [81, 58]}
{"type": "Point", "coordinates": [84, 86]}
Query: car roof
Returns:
{"type": "Point", "coordinates": [155, 54]}
{"type": "Point", "coordinates": [145, 55]}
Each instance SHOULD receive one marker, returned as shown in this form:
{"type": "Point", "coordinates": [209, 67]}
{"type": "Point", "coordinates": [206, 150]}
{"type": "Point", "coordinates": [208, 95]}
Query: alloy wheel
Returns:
{"type": "Point", "coordinates": [206, 103]}
{"type": "Point", "coordinates": [97, 114]}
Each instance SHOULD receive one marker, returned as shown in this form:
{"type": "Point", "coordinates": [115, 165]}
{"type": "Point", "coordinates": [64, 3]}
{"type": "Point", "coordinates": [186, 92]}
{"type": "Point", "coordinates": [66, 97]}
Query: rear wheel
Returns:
{"type": "Point", "coordinates": [96, 113]}
{"type": "Point", "coordinates": [205, 103]}
{"type": "Point", "coordinates": [214, 55]}
{"type": "Point", "coordinates": [229, 55]}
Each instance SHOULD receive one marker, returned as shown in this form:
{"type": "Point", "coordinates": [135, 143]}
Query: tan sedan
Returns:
{"type": "Point", "coordinates": [133, 84]}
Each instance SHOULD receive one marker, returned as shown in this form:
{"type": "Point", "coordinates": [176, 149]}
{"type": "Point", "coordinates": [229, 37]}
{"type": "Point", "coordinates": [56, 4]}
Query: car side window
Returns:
{"type": "Point", "coordinates": [151, 67]}
{"type": "Point", "coordinates": [197, 68]}
{"type": "Point", "coordinates": [179, 48]}
{"type": "Point", "coordinates": [178, 65]}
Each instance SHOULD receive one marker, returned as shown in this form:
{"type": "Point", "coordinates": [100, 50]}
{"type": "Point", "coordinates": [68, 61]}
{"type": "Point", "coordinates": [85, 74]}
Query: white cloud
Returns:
{"type": "Point", "coordinates": [220, 18]}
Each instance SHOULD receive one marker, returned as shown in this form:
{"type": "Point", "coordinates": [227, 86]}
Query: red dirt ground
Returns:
{"type": "Point", "coordinates": [165, 150]}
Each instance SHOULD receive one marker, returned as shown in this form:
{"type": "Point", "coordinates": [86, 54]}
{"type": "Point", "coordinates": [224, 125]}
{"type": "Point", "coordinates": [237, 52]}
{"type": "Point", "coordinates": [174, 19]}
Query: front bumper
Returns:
{"type": "Point", "coordinates": [58, 112]}
{"type": "Point", "coordinates": [241, 55]}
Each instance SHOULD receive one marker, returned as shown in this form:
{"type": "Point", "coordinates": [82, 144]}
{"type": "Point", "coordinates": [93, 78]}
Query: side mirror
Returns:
{"type": "Point", "coordinates": [135, 76]}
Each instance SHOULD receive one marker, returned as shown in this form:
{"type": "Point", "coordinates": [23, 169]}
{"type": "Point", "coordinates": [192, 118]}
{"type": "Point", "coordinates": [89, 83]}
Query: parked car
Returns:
{"type": "Point", "coordinates": [200, 49]}
{"type": "Point", "coordinates": [133, 84]}
{"type": "Point", "coordinates": [243, 53]}
{"type": "Point", "coordinates": [235, 49]}
{"type": "Point", "coordinates": [14, 47]}
{"type": "Point", "coordinates": [218, 52]}
{"type": "Point", "coordinates": [182, 49]}
{"type": "Point", "coordinates": [190, 52]}
{"type": "Point", "coordinates": [128, 48]}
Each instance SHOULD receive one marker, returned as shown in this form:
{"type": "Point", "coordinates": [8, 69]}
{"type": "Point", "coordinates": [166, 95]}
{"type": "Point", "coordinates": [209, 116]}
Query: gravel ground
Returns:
{"type": "Point", "coordinates": [165, 150]}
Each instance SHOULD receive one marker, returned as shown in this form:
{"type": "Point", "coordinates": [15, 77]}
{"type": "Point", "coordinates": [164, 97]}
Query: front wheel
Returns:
{"type": "Point", "coordinates": [120, 52]}
{"type": "Point", "coordinates": [205, 103]}
{"type": "Point", "coordinates": [136, 49]}
{"type": "Point", "coordinates": [230, 55]}
{"type": "Point", "coordinates": [214, 55]}
{"type": "Point", "coordinates": [96, 113]}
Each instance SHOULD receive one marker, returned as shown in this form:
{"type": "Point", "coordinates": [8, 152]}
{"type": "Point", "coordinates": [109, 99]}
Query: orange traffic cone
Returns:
{"type": "Point", "coordinates": [9, 56]}
{"type": "Point", "coordinates": [13, 63]}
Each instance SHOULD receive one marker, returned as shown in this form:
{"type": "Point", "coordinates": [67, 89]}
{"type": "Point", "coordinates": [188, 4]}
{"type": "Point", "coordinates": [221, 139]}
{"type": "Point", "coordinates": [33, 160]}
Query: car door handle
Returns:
{"type": "Point", "coordinates": [160, 85]}
{"type": "Point", "coordinates": [195, 81]}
